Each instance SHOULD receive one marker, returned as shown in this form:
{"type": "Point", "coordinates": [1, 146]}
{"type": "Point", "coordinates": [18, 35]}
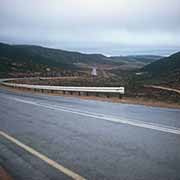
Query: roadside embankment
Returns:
{"type": "Point", "coordinates": [126, 100]}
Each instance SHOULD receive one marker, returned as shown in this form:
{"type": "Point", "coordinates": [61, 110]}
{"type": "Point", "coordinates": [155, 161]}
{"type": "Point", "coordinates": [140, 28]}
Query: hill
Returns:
{"type": "Point", "coordinates": [164, 71]}
{"type": "Point", "coordinates": [144, 59]}
{"type": "Point", "coordinates": [166, 65]}
{"type": "Point", "coordinates": [52, 57]}
{"type": "Point", "coordinates": [134, 62]}
{"type": "Point", "coordinates": [20, 59]}
{"type": "Point", "coordinates": [28, 60]}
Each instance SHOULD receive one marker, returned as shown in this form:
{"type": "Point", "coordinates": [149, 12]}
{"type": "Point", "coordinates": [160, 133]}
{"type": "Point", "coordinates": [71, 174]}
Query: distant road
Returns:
{"type": "Point", "coordinates": [164, 88]}
{"type": "Point", "coordinates": [50, 138]}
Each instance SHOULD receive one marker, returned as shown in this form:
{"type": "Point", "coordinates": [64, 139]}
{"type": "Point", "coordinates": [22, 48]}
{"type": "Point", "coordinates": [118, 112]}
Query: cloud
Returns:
{"type": "Point", "coordinates": [92, 24]}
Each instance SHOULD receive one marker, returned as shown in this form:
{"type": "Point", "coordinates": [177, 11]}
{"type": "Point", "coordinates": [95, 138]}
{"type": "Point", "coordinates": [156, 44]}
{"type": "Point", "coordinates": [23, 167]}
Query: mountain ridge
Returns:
{"type": "Point", "coordinates": [33, 58]}
{"type": "Point", "coordinates": [165, 71]}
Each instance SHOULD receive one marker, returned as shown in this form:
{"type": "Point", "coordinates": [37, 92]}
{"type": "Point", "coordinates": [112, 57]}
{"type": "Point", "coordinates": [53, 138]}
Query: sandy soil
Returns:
{"type": "Point", "coordinates": [126, 100]}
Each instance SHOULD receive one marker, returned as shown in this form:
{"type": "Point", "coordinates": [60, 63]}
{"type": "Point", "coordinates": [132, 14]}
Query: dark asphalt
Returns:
{"type": "Point", "coordinates": [94, 148]}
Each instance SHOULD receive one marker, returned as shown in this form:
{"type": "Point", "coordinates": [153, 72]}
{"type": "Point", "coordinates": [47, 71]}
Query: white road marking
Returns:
{"type": "Point", "coordinates": [141, 124]}
{"type": "Point", "coordinates": [44, 158]}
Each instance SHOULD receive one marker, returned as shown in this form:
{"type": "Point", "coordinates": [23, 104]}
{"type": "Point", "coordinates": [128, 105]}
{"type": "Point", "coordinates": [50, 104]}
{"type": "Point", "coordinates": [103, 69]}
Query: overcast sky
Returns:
{"type": "Point", "coordinates": [112, 27]}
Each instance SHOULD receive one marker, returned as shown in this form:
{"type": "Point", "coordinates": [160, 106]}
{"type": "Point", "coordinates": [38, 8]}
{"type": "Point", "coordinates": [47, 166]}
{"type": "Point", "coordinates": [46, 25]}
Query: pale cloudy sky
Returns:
{"type": "Point", "coordinates": [113, 27]}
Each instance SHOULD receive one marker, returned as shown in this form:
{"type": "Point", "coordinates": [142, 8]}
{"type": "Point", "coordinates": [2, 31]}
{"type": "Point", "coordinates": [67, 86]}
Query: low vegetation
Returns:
{"type": "Point", "coordinates": [74, 69]}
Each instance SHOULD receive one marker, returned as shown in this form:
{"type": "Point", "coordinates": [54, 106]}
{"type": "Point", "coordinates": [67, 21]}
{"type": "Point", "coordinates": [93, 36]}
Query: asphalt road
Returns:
{"type": "Point", "coordinates": [48, 137]}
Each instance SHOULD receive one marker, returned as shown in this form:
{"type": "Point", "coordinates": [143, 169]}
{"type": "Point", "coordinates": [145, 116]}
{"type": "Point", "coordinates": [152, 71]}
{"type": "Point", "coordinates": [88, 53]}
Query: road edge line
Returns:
{"type": "Point", "coordinates": [44, 158]}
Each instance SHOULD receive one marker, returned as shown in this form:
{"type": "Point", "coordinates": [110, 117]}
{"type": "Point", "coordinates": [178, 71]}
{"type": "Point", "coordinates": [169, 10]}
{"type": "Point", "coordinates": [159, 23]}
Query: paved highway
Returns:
{"type": "Point", "coordinates": [48, 137]}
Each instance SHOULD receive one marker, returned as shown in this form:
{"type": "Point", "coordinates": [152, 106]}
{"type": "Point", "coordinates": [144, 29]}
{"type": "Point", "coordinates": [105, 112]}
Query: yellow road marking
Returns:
{"type": "Point", "coordinates": [44, 158]}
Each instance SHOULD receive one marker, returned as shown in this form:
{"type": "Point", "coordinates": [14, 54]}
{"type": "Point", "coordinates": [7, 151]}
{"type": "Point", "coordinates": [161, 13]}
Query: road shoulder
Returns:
{"type": "Point", "coordinates": [125, 100]}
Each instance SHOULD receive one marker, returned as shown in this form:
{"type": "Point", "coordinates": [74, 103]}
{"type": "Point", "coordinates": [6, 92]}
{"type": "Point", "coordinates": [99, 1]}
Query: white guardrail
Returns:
{"type": "Point", "coordinates": [119, 90]}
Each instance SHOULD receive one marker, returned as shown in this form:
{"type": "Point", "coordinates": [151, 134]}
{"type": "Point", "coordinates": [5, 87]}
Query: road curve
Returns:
{"type": "Point", "coordinates": [86, 139]}
{"type": "Point", "coordinates": [164, 88]}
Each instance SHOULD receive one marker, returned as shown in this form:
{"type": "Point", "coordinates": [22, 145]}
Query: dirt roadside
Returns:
{"type": "Point", "coordinates": [125, 100]}
{"type": "Point", "coordinates": [4, 175]}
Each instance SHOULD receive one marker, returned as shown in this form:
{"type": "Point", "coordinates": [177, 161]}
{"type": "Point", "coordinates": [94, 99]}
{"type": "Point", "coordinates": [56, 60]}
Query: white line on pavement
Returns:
{"type": "Point", "coordinates": [44, 158]}
{"type": "Point", "coordinates": [154, 126]}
